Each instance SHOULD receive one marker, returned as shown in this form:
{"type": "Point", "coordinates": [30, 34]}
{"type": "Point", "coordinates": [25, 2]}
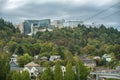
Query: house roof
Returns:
{"type": "Point", "coordinates": [32, 64]}
{"type": "Point", "coordinates": [106, 56]}
{"type": "Point", "coordinates": [52, 58]}
{"type": "Point", "coordinates": [12, 63]}
{"type": "Point", "coordinates": [40, 69]}
{"type": "Point", "coordinates": [14, 56]}
{"type": "Point", "coordinates": [88, 61]}
{"type": "Point", "coordinates": [101, 68]}
{"type": "Point", "coordinates": [44, 58]}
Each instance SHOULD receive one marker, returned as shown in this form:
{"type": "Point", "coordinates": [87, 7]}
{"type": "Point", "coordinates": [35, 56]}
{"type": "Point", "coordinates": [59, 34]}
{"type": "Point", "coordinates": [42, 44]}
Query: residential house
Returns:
{"type": "Point", "coordinates": [90, 63]}
{"type": "Point", "coordinates": [52, 58]}
{"type": "Point", "coordinates": [36, 56]}
{"type": "Point", "coordinates": [44, 58]}
{"type": "Point", "coordinates": [13, 63]}
{"type": "Point", "coordinates": [33, 69]}
{"type": "Point", "coordinates": [107, 57]}
{"type": "Point", "coordinates": [14, 58]}
{"type": "Point", "coordinates": [96, 57]}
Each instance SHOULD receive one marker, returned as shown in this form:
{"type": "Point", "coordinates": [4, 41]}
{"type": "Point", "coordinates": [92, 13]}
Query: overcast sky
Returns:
{"type": "Point", "coordinates": [17, 11]}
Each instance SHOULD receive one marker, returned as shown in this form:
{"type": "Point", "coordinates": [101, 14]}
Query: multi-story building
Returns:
{"type": "Point", "coordinates": [20, 27]}
{"type": "Point", "coordinates": [58, 23]}
{"type": "Point", "coordinates": [32, 26]}
{"type": "Point", "coordinates": [72, 23]}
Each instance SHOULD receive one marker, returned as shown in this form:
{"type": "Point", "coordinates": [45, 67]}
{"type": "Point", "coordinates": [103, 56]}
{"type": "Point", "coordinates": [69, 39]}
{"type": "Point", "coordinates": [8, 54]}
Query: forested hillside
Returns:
{"type": "Point", "coordinates": [7, 30]}
{"type": "Point", "coordinates": [83, 40]}
{"type": "Point", "coordinates": [78, 40]}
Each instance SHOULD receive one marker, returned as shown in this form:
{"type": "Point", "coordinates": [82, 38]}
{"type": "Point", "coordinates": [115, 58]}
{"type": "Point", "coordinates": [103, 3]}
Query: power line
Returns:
{"type": "Point", "coordinates": [100, 12]}
{"type": "Point", "coordinates": [110, 14]}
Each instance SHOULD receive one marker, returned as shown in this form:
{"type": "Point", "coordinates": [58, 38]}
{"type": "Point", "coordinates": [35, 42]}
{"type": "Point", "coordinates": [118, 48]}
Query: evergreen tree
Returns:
{"type": "Point", "coordinates": [16, 76]}
{"type": "Point", "coordinates": [47, 74]}
{"type": "Point", "coordinates": [81, 71]}
{"type": "Point", "coordinates": [69, 75]}
{"type": "Point", "coordinates": [4, 66]}
{"type": "Point", "coordinates": [25, 75]}
{"type": "Point", "coordinates": [58, 75]}
{"type": "Point", "coordinates": [20, 50]}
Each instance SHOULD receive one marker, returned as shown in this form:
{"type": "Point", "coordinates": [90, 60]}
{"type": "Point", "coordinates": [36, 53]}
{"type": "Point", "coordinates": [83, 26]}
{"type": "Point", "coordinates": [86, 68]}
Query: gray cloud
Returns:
{"type": "Point", "coordinates": [2, 3]}
{"type": "Point", "coordinates": [66, 9]}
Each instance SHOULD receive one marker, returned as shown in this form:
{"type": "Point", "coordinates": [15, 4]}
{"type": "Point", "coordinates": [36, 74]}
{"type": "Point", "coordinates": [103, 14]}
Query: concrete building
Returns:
{"type": "Point", "coordinates": [72, 23]}
{"type": "Point", "coordinates": [52, 58]}
{"type": "Point", "coordinates": [107, 57]}
{"type": "Point", "coordinates": [20, 27]}
{"type": "Point", "coordinates": [32, 26]}
{"type": "Point", "coordinates": [58, 23]}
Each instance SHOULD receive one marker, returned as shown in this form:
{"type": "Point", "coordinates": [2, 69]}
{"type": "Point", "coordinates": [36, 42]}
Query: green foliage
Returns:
{"type": "Point", "coordinates": [46, 47]}
{"type": "Point", "coordinates": [78, 40]}
{"type": "Point", "coordinates": [9, 76]}
{"type": "Point", "coordinates": [47, 74]}
{"type": "Point", "coordinates": [69, 75]}
{"type": "Point", "coordinates": [113, 64]}
{"type": "Point", "coordinates": [46, 63]}
{"type": "Point", "coordinates": [19, 50]}
{"type": "Point", "coordinates": [82, 39]}
{"type": "Point", "coordinates": [81, 71]}
{"type": "Point", "coordinates": [6, 30]}
{"type": "Point", "coordinates": [16, 75]}
{"type": "Point", "coordinates": [4, 66]}
{"type": "Point", "coordinates": [12, 46]}
{"type": "Point", "coordinates": [65, 42]}
{"type": "Point", "coordinates": [58, 75]}
{"type": "Point", "coordinates": [68, 56]}
{"type": "Point", "coordinates": [22, 60]}
{"type": "Point", "coordinates": [25, 75]}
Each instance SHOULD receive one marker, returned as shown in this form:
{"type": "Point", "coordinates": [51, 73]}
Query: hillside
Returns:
{"type": "Point", "coordinates": [78, 40]}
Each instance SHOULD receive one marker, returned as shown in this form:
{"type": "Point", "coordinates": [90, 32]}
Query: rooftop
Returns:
{"type": "Point", "coordinates": [32, 64]}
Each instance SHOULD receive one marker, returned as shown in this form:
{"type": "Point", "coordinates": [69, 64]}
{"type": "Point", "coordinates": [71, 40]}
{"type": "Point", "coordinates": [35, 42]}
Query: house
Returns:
{"type": "Point", "coordinates": [31, 64]}
{"type": "Point", "coordinates": [14, 58]}
{"type": "Point", "coordinates": [90, 63]}
{"type": "Point", "coordinates": [36, 57]}
{"type": "Point", "coordinates": [14, 55]}
{"type": "Point", "coordinates": [33, 69]}
{"type": "Point", "coordinates": [96, 57]}
{"type": "Point", "coordinates": [44, 58]}
{"type": "Point", "coordinates": [107, 57]}
{"type": "Point", "coordinates": [13, 62]}
{"type": "Point", "coordinates": [52, 58]}
{"type": "Point", "coordinates": [99, 69]}
{"type": "Point", "coordinates": [13, 65]}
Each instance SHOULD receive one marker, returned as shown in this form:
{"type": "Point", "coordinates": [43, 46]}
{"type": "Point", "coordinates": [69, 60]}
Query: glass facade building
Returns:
{"type": "Point", "coordinates": [31, 25]}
